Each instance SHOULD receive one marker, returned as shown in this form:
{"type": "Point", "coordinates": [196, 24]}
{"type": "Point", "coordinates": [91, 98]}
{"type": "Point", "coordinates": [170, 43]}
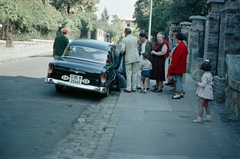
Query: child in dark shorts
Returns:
{"type": "Point", "coordinates": [145, 67]}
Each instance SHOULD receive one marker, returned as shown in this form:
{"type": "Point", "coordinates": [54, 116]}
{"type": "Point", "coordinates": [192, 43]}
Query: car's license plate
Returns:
{"type": "Point", "coordinates": [75, 79]}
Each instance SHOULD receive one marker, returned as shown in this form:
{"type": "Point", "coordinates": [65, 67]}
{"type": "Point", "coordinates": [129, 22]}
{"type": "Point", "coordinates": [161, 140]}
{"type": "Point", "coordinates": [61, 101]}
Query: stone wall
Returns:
{"type": "Point", "coordinates": [195, 45]}
{"type": "Point", "coordinates": [25, 44]}
{"type": "Point", "coordinates": [219, 87]}
{"type": "Point", "coordinates": [212, 28]}
{"type": "Point", "coordinates": [229, 34]}
{"type": "Point", "coordinates": [232, 91]}
{"type": "Point", "coordinates": [172, 27]}
{"type": "Point", "coordinates": [221, 47]}
{"type": "Point", "coordinates": [185, 26]}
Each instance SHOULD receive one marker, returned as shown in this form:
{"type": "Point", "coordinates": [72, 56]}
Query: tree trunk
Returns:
{"type": "Point", "coordinates": [68, 8]}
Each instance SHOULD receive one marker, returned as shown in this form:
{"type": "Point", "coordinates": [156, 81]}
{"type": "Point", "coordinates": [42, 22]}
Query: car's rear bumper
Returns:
{"type": "Point", "coordinates": [85, 87]}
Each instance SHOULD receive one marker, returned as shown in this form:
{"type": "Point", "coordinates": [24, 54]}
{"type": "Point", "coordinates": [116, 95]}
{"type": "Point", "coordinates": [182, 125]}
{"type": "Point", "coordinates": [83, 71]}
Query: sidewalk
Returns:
{"type": "Point", "coordinates": [14, 54]}
{"type": "Point", "coordinates": [153, 126]}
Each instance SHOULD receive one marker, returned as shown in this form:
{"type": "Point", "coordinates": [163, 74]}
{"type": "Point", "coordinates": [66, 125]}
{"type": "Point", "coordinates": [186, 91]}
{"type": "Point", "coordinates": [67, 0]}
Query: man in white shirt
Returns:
{"type": "Point", "coordinates": [144, 46]}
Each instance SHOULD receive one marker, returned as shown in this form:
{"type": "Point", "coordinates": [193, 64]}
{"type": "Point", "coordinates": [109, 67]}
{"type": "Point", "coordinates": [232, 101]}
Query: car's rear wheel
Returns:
{"type": "Point", "coordinates": [58, 87]}
{"type": "Point", "coordinates": [115, 85]}
{"type": "Point", "coordinates": [108, 91]}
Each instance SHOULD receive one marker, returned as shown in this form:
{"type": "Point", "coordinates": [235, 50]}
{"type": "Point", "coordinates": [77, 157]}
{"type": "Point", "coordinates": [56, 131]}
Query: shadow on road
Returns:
{"type": "Point", "coordinates": [34, 116]}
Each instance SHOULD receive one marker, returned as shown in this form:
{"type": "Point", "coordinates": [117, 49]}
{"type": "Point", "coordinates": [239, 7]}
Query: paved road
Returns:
{"type": "Point", "coordinates": [34, 118]}
{"type": "Point", "coordinates": [136, 126]}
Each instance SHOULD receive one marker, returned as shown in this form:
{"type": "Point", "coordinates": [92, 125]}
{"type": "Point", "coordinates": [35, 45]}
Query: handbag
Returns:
{"type": "Point", "coordinates": [172, 78]}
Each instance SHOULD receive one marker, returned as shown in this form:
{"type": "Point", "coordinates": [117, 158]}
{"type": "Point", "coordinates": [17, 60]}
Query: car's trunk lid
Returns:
{"type": "Point", "coordinates": [88, 70]}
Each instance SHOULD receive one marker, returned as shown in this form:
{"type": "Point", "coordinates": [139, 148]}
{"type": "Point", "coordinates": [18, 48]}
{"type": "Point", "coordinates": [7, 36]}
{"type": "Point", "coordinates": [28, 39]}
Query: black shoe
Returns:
{"type": "Point", "coordinates": [154, 89]}
{"type": "Point", "coordinates": [127, 91]}
{"type": "Point", "coordinates": [133, 90]}
{"type": "Point", "coordinates": [138, 87]}
{"type": "Point", "coordinates": [168, 84]}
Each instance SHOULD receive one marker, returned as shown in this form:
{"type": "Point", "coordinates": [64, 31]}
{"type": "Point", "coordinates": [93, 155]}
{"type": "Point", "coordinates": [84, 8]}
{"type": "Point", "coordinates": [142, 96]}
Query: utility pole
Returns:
{"type": "Point", "coordinates": [150, 21]}
{"type": "Point", "coordinates": [75, 32]}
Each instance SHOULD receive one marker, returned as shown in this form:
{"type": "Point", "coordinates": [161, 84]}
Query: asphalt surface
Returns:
{"type": "Point", "coordinates": [148, 126]}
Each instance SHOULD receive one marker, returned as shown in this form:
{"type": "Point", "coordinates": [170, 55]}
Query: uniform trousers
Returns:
{"type": "Point", "coordinates": [131, 75]}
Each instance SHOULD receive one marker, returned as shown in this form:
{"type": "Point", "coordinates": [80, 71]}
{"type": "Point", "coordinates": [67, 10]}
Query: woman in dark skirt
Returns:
{"type": "Point", "coordinates": [158, 62]}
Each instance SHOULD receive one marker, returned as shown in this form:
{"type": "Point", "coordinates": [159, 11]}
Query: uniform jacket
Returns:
{"type": "Point", "coordinates": [60, 43]}
{"type": "Point", "coordinates": [129, 48]}
{"type": "Point", "coordinates": [148, 48]}
{"type": "Point", "coordinates": [179, 59]}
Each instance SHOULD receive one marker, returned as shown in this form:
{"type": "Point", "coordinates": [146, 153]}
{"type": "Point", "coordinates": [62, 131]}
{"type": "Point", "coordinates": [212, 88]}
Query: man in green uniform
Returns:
{"type": "Point", "coordinates": [60, 43]}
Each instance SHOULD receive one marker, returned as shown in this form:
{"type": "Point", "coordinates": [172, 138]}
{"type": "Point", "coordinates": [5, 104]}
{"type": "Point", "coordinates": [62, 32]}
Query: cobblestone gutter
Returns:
{"type": "Point", "coordinates": [92, 135]}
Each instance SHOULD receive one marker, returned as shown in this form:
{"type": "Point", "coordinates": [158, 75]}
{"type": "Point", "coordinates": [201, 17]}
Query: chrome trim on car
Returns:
{"type": "Point", "coordinates": [82, 86]}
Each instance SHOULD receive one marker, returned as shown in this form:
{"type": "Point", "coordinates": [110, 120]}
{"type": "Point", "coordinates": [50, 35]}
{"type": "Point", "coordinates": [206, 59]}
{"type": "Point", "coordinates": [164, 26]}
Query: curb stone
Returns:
{"type": "Point", "coordinates": [92, 136]}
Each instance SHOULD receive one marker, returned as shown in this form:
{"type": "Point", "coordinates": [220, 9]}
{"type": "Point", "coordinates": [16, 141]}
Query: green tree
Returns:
{"type": "Point", "coordinates": [181, 11]}
{"type": "Point", "coordinates": [141, 14]}
{"type": "Point", "coordinates": [84, 5]}
{"type": "Point", "coordinates": [160, 16]}
{"type": "Point", "coordinates": [105, 16]}
{"type": "Point", "coordinates": [115, 19]}
{"type": "Point", "coordinates": [29, 18]}
{"type": "Point", "coordinates": [165, 11]}
{"type": "Point", "coordinates": [116, 29]}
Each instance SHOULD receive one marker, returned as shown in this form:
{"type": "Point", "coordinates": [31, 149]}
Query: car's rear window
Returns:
{"type": "Point", "coordinates": [86, 53]}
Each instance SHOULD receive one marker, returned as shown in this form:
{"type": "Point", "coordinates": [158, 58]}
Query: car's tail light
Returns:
{"type": "Point", "coordinates": [50, 69]}
{"type": "Point", "coordinates": [103, 79]}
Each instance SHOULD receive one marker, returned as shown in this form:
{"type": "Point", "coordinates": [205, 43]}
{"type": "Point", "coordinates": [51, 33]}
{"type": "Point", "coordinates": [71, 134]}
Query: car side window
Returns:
{"type": "Point", "coordinates": [68, 51]}
{"type": "Point", "coordinates": [109, 59]}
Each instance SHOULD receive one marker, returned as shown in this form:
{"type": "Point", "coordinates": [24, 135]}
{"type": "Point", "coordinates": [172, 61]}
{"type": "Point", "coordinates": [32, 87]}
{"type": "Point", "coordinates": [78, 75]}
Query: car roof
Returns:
{"type": "Point", "coordinates": [100, 45]}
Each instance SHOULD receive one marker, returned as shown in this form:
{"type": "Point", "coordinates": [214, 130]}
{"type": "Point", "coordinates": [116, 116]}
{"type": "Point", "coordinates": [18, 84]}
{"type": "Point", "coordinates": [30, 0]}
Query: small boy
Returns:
{"type": "Point", "coordinates": [145, 67]}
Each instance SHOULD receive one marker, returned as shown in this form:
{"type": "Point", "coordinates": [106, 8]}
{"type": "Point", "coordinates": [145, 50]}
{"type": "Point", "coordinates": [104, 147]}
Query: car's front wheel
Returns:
{"type": "Point", "coordinates": [58, 87]}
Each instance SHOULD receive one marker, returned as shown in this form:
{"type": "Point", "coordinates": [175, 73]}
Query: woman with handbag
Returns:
{"type": "Point", "coordinates": [178, 64]}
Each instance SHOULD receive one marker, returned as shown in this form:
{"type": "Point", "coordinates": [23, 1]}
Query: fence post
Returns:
{"type": "Point", "coordinates": [196, 43]}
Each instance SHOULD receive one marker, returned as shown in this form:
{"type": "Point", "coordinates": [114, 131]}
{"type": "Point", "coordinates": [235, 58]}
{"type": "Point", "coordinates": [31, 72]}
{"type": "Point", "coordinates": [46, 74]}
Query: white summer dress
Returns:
{"type": "Point", "coordinates": [205, 87]}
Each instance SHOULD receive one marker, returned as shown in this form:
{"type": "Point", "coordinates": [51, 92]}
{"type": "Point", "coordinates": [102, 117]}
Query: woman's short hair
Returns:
{"type": "Point", "coordinates": [179, 36]}
{"type": "Point", "coordinates": [128, 31]}
{"type": "Point", "coordinates": [64, 31]}
{"type": "Point", "coordinates": [206, 66]}
{"type": "Point", "coordinates": [161, 33]}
